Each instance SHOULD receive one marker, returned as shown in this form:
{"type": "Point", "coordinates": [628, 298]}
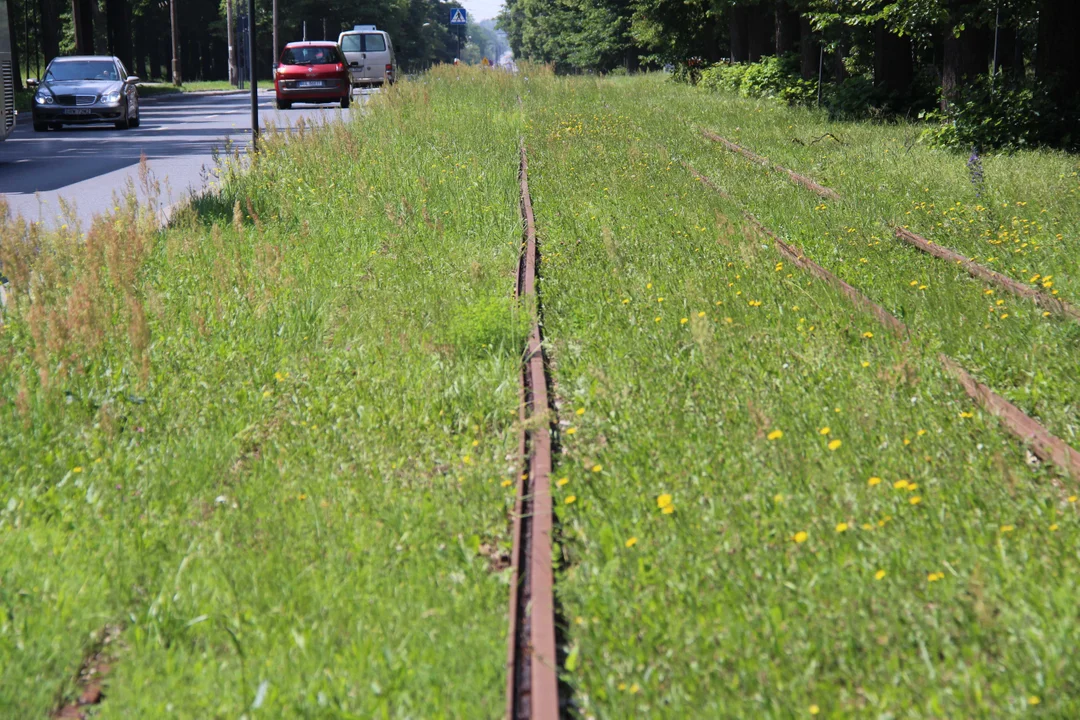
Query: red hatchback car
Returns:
{"type": "Point", "coordinates": [311, 72]}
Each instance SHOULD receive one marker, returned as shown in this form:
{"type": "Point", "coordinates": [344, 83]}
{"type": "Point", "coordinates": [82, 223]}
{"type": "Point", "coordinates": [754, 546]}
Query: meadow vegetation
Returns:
{"type": "Point", "coordinates": [269, 451]}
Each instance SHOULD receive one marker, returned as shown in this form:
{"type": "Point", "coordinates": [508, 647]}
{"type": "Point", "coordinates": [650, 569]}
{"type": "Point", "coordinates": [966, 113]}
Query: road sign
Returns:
{"type": "Point", "coordinates": [457, 16]}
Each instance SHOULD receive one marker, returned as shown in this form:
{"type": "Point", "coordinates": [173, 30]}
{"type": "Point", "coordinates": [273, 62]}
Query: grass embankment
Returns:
{"type": "Point", "coordinates": [268, 445]}
{"type": "Point", "coordinates": [772, 508]}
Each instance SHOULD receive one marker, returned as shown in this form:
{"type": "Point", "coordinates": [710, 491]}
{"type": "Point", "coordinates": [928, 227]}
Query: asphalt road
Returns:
{"type": "Point", "coordinates": [87, 166]}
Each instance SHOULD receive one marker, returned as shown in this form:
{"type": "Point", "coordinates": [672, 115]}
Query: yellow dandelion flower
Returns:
{"type": "Point", "coordinates": [684, 321]}
{"type": "Point", "coordinates": [835, 444]}
{"type": "Point", "coordinates": [865, 364]}
{"type": "Point", "coordinates": [279, 377]}
{"type": "Point", "coordinates": [920, 432]}
{"type": "Point", "coordinates": [841, 527]}
{"type": "Point", "coordinates": [648, 286]}
{"type": "Point", "coordinates": [814, 709]}
{"type": "Point", "coordinates": [776, 434]}
{"type": "Point", "coordinates": [562, 481]}
{"type": "Point", "coordinates": [580, 411]}
{"type": "Point", "coordinates": [868, 335]}
{"type": "Point", "coordinates": [657, 318]}
{"type": "Point", "coordinates": [800, 537]}
{"type": "Point", "coordinates": [570, 499]}
{"type": "Point", "coordinates": [507, 483]}
{"type": "Point", "coordinates": [1034, 700]}
{"type": "Point", "coordinates": [622, 686]}
{"type": "Point", "coordinates": [874, 481]}
{"type": "Point", "coordinates": [967, 414]}
{"type": "Point", "coordinates": [266, 393]}
{"type": "Point", "coordinates": [659, 299]}
{"type": "Point", "coordinates": [1054, 527]}
{"type": "Point", "coordinates": [634, 689]}
{"type": "Point", "coordinates": [597, 468]}
{"type": "Point", "coordinates": [1072, 498]}
{"type": "Point", "coordinates": [631, 542]}
{"type": "Point", "coordinates": [663, 501]}
{"type": "Point", "coordinates": [701, 314]}
{"type": "Point", "coordinates": [778, 498]}
{"type": "Point", "coordinates": [77, 469]}
{"type": "Point", "coordinates": [626, 301]}
{"type": "Point", "coordinates": [879, 574]}
{"type": "Point", "coordinates": [824, 431]}
{"type": "Point", "coordinates": [571, 430]}
{"type": "Point", "coordinates": [668, 510]}
{"type": "Point", "coordinates": [915, 500]}
{"type": "Point", "coordinates": [1007, 529]}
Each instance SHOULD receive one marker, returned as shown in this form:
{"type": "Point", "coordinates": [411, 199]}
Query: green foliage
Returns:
{"type": "Point", "coordinates": [482, 327]}
{"type": "Point", "coordinates": [771, 78]}
{"type": "Point", "coordinates": [1008, 115]}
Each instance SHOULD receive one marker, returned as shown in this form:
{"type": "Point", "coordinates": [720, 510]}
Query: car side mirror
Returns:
{"type": "Point", "coordinates": [133, 79]}
{"type": "Point", "coordinates": [31, 82]}
{"type": "Point", "coordinates": [277, 65]}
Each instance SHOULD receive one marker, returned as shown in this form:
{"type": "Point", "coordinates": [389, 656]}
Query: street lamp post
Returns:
{"type": "Point", "coordinates": [251, 75]}
{"type": "Point", "coordinates": [177, 80]}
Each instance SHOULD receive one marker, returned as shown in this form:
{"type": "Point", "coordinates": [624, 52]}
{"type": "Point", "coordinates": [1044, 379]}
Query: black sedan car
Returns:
{"type": "Point", "coordinates": [85, 89]}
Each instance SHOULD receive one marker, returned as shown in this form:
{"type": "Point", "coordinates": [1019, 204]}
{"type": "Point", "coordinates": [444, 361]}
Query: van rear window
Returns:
{"type": "Point", "coordinates": [373, 42]}
{"type": "Point", "coordinates": [363, 42]}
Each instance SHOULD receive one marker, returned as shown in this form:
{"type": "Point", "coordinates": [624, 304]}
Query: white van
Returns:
{"type": "Point", "coordinates": [370, 55]}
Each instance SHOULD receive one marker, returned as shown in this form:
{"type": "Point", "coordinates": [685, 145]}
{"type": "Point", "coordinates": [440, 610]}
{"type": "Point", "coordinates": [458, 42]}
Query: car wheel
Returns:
{"type": "Point", "coordinates": [282, 104]}
{"type": "Point", "coordinates": [40, 126]}
{"type": "Point", "coordinates": [125, 122]}
{"type": "Point", "coordinates": [135, 121]}
{"type": "Point", "coordinates": [345, 100]}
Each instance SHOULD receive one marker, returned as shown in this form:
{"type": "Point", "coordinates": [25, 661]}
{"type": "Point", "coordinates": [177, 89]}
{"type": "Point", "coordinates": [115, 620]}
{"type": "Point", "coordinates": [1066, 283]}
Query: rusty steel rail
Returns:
{"type": "Point", "coordinates": [532, 683]}
{"type": "Point", "coordinates": [806, 182]}
{"type": "Point", "coordinates": [1046, 446]}
{"type": "Point", "coordinates": [1043, 300]}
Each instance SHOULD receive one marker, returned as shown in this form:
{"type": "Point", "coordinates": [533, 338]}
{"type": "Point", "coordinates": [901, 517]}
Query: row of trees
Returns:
{"type": "Point", "coordinates": [891, 40]}
{"type": "Point", "coordinates": [139, 31]}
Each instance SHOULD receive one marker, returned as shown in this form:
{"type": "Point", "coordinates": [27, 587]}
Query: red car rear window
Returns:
{"type": "Point", "coordinates": [317, 55]}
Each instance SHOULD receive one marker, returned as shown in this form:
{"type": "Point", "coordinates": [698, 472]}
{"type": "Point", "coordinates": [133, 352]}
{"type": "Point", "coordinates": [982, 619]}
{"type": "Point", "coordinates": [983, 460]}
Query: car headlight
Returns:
{"type": "Point", "coordinates": [111, 97]}
{"type": "Point", "coordinates": [43, 98]}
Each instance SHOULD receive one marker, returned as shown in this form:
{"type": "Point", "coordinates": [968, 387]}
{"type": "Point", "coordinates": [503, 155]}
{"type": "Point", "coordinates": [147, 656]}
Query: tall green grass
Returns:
{"type": "Point", "coordinates": [268, 444]}
{"type": "Point", "coordinates": [771, 508]}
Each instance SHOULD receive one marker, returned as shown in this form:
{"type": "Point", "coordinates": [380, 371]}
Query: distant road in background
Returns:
{"type": "Point", "coordinates": [87, 166]}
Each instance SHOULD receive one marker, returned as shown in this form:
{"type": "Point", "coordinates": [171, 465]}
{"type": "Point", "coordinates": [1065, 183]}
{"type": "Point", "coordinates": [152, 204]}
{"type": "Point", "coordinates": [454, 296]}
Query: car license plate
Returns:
{"type": "Point", "coordinates": [77, 111]}
{"type": "Point", "coordinates": [309, 83]}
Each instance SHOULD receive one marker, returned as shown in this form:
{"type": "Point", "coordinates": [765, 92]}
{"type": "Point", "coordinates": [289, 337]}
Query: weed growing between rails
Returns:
{"type": "Point", "coordinates": [299, 509]}
{"type": "Point", "coordinates": [757, 481]}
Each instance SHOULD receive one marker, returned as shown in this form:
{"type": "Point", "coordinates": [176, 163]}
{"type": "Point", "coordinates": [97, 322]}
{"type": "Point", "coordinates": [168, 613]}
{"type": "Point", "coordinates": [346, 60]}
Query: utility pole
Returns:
{"type": "Point", "coordinates": [177, 80]}
{"type": "Point", "coordinates": [277, 48]}
{"type": "Point", "coordinates": [229, 42]}
{"type": "Point", "coordinates": [251, 72]}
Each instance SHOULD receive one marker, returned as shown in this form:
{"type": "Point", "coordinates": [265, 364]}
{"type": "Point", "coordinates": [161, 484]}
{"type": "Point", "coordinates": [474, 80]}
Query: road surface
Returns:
{"type": "Point", "coordinates": [87, 166]}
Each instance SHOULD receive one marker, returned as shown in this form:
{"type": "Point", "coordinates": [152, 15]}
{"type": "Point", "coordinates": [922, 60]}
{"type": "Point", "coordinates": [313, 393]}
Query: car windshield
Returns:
{"type": "Point", "coordinates": [318, 55]}
{"type": "Point", "coordinates": [82, 70]}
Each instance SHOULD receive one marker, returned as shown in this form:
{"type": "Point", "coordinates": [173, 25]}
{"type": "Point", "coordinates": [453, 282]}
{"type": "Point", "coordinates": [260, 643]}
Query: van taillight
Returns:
{"type": "Point", "coordinates": [389, 68]}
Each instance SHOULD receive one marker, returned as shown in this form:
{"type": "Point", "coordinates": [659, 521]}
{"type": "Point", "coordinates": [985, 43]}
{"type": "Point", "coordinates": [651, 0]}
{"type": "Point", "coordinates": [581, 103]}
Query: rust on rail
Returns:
{"type": "Point", "coordinates": [1046, 446]}
{"type": "Point", "coordinates": [1043, 300]}
{"type": "Point", "coordinates": [806, 182]}
{"type": "Point", "coordinates": [532, 685]}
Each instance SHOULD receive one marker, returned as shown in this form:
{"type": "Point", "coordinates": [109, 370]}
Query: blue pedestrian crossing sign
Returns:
{"type": "Point", "coordinates": [457, 16]}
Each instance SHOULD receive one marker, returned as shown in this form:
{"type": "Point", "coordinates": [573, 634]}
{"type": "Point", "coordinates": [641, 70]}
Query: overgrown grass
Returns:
{"type": "Point", "coordinates": [771, 508]}
{"type": "Point", "coordinates": [269, 444]}
{"type": "Point", "coordinates": [273, 445]}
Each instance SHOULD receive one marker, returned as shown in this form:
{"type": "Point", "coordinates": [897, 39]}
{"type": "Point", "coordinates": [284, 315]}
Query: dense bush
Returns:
{"type": "Point", "coordinates": [776, 77]}
{"type": "Point", "coordinates": [1006, 114]}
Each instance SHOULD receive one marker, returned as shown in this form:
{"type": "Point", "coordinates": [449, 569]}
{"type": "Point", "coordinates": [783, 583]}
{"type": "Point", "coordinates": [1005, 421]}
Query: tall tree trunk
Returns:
{"type": "Point", "coordinates": [1058, 59]}
{"type": "Point", "coordinates": [809, 50]}
{"type": "Point", "coordinates": [739, 24]}
{"type": "Point", "coordinates": [1007, 41]}
{"type": "Point", "coordinates": [101, 41]}
{"type": "Point", "coordinates": [787, 27]}
{"type": "Point", "coordinates": [50, 28]}
{"type": "Point", "coordinates": [154, 51]}
{"type": "Point", "coordinates": [118, 17]}
{"type": "Point", "coordinates": [762, 33]}
{"type": "Point", "coordinates": [13, 14]}
{"type": "Point", "coordinates": [229, 41]}
{"type": "Point", "coordinates": [967, 54]}
{"type": "Point", "coordinates": [894, 68]}
{"type": "Point", "coordinates": [82, 16]}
